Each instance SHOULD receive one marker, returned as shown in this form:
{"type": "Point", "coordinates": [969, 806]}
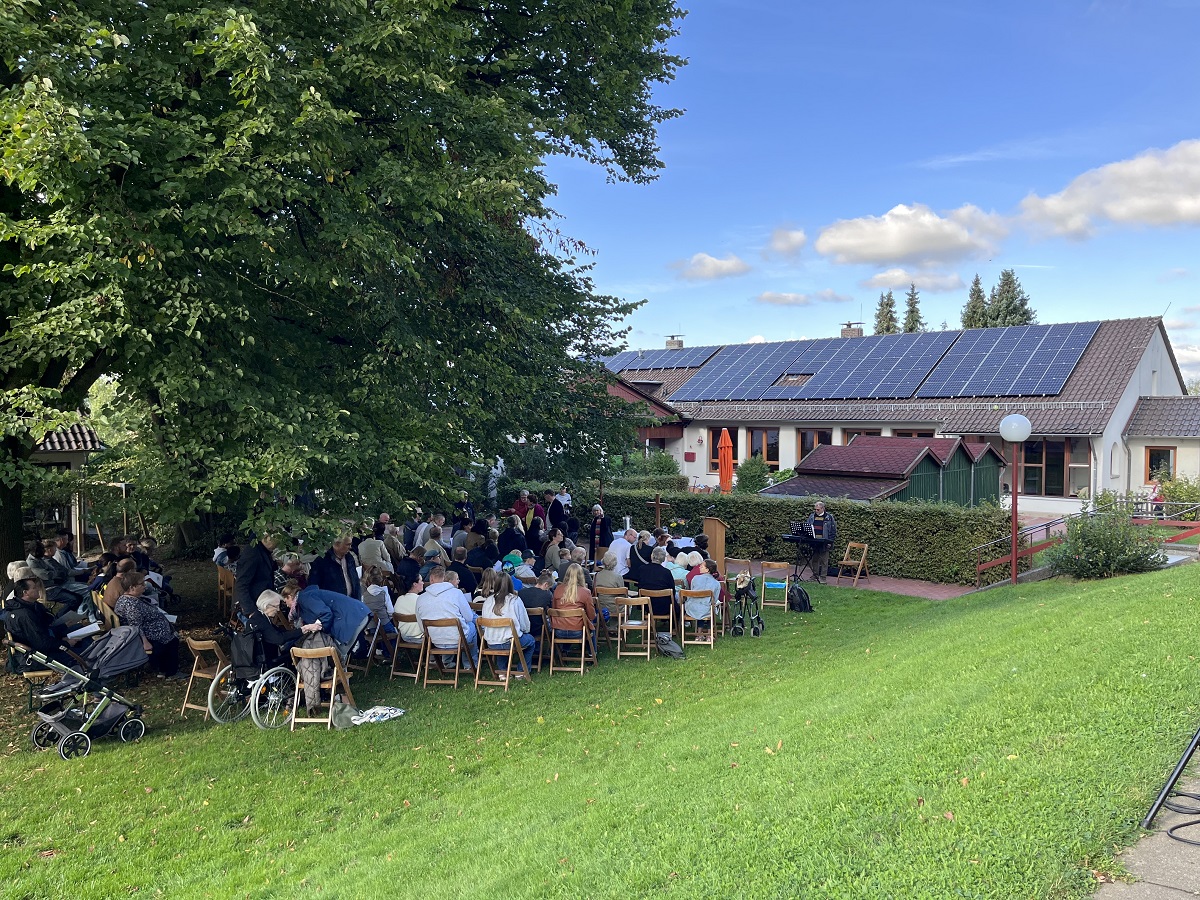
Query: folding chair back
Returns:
{"type": "Point", "coordinates": [477, 571]}
{"type": "Point", "coordinates": [412, 650]}
{"type": "Point", "coordinates": [656, 621]}
{"type": "Point", "coordinates": [633, 618]}
{"type": "Point", "coordinates": [541, 633]}
{"type": "Point", "coordinates": [614, 594]}
{"type": "Point", "coordinates": [779, 571]}
{"type": "Point", "coordinates": [528, 580]}
{"type": "Point", "coordinates": [855, 559]}
{"type": "Point", "coordinates": [225, 582]}
{"type": "Point", "coordinates": [338, 682]}
{"type": "Point", "coordinates": [684, 619]}
{"type": "Point", "coordinates": [569, 620]}
{"type": "Point", "coordinates": [431, 654]}
{"type": "Point", "coordinates": [489, 655]}
{"type": "Point", "coordinates": [203, 669]}
{"type": "Point", "coordinates": [379, 639]}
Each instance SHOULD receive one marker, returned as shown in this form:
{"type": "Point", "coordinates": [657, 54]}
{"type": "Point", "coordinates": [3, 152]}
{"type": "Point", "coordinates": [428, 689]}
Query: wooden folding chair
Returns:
{"type": "Point", "coordinates": [855, 558]}
{"type": "Point", "coordinates": [379, 638]}
{"type": "Point", "coordinates": [540, 632]}
{"type": "Point", "coordinates": [431, 654]}
{"type": "Point", "coordinates": [777, 569]}
{"type": "Point", "coordinates": [614, 594]}
{"type": "Point", "coordinates": [203, 669]}
{"type": "Point", "coordinates": [669, 618]}
{"type": "Point", "coordinates": [570, 620]}
{"type": "Point", "coordinates": [225, 582]}
{"type": "Point", "coordinates": [684, 619]}
{"type": "Point", "coordinates": [528, 580]}
{"type": "Point", "coordinates": [409, 647]}
{"type": "Point", "coordinates": [489, 655]}
{"type": "Point", "coordinates": [633, 617]}
{"type": "Point", "coordinates": [477, 571]}
{"type": "Point", "coordinates": [734, 566]}
{"type": "Point", "coordinates": [339, 679]}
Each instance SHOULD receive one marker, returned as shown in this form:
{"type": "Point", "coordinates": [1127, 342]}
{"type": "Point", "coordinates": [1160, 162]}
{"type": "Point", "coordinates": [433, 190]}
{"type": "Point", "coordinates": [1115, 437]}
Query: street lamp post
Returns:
{"type": "Point", "coordinates": [1015, 429]}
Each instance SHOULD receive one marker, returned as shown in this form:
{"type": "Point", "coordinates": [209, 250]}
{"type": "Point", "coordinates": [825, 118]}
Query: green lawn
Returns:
{"type": "Point", "coordinates": [1003, 745]}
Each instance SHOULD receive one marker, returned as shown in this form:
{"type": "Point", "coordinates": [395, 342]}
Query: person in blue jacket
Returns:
{"type": "Point", "coordinates": [342, 617]}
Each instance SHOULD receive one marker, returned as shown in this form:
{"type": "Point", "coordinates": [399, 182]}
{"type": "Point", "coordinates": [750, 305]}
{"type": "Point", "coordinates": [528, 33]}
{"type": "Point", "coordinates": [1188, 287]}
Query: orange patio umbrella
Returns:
{"type": "Point", "coordinates": [725, 461]}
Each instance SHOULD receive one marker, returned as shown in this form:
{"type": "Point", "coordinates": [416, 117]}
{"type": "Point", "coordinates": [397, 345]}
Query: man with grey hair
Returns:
{"type": "Point", "coordinates": [824, 529]}
{"type": "Point", "coordinates": [621, 548]}
{"type": "Point", "coordinates": [654, 576]}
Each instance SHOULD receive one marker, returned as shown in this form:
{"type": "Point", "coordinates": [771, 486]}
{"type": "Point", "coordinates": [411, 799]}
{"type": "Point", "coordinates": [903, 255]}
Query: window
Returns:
{"type": "Point", "coordinates": [808, 439]}
{"type": "Point", "coordinates": [764, 442]}
{"type": "Point", "coordinates": [849, 433]}
{"type": "Point", "coordinates": [714, 441]}
{"type": "Point", "coordinates": [913, 434]}
{"type": "Point", "coordinates": [1053, 467]}
{"type": "Point", "coordinates": [1159, 459]}
{"type": "Point", "coordinates": [1114, 459]}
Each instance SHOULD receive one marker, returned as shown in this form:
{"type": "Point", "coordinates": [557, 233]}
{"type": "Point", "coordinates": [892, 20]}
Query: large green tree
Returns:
{"type": "Point", "coordinates": [1008, 303]}
{"type": "Point", "coordinates": [975, 312]}
{"type": "Point", "coordinates": [885, 315]}
{"type": "Point", "coordinates": [912, 311]}
{"type": "Point", "coordinates": [312, 242]}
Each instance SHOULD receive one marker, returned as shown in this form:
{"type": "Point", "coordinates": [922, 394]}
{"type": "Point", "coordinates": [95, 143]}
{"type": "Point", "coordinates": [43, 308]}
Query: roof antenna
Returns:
{"type": "Point", "coordinates": [1164, 312]}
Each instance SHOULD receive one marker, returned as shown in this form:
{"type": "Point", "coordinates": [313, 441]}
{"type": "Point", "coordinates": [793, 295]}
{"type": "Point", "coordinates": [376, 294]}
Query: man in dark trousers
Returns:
{"type": "Point", "coordinates": [825, 531]}
{"type": "Point", "coordinates": [255, 574]}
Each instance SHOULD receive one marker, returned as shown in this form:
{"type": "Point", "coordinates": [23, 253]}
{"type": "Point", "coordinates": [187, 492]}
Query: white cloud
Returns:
{"type": "Point", "coordinates": [1179, 324]}
{"type": "Point", "coordinates": [781, 299]}
{"type": "Point", "coordinates": [757, 339]}
{"type": "Point", "coordinates": [788, 241]}
{"type": "Point", "coordinates": [1189, 360]}
{"type": "Point", "coordinates": [703, 267]}
{"type": "Point", "coordinates": [932, 282]}
{"type": "Point", "coordinates": [1174, 274]}
{"type": "Point", "coordinates": [1156, 188]}
{"type": "Point", "coordinates": [912, 234]}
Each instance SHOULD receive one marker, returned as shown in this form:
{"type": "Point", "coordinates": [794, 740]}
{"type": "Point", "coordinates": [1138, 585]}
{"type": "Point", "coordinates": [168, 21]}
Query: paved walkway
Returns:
{"type": "Point", "coordinates": [1165, 869]}
{"type": "Point", "coordinates": [907, 587]}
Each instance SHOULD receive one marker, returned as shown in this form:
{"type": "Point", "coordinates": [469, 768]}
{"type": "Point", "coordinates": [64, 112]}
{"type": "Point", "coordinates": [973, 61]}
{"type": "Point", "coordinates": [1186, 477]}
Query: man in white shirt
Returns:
{"type": "Point", "coordinates": [443, 600]}
{"type": "Point", "coordinates": [621, 548]}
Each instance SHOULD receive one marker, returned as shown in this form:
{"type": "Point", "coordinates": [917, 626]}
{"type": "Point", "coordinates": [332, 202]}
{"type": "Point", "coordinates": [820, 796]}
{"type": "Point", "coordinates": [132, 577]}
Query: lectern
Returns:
{"type": "Point", "coordinates": [715, 529]}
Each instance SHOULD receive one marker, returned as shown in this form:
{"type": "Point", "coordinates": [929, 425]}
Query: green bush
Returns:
{"type": "Point", "coordinates": [1104, 545]}
{"type": "Point", "coordinates": [1181, 490]}
{"type": "Point", "coordinates": [752, 476]}
{"type": "Point", "coordinates": [929, 541]}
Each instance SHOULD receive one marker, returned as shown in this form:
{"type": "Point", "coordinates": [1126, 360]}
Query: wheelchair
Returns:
{"type": "Point", "coordinates": [252, 684]}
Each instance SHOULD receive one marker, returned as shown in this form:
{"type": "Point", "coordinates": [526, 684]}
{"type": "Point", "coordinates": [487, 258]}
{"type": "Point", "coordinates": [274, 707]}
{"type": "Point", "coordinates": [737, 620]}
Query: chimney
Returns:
{"type": "Point", "coordinates": [674, 342]}
{"type": "Point", "coordinates": [852, 329]}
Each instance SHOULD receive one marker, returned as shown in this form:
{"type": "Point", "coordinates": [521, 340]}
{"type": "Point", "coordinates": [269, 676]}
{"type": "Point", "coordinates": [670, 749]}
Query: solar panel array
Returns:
{"type": "Point", "coordinates": [686, 358]}
{"type": "Point", "coordinates": [1023, 360]}
{"type": "Point", "coordinates": [1027, 360]}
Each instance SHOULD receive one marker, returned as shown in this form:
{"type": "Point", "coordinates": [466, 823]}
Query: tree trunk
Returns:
{"type": "Point", "coordinates": [12, 536]}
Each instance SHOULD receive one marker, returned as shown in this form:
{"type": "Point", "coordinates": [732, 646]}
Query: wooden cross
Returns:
{"type": "Point", "coordinates": [659, 506]}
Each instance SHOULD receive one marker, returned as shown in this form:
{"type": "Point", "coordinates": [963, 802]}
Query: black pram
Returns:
{"type": "Point", "coordinates": [81, 706]}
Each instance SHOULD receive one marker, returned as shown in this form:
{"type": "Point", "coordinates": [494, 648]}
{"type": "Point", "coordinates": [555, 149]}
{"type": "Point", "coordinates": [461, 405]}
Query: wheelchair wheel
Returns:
{"type": "Point", "coordinates": [272, 697]}
{"type": "Point", "coordinates": [228, 697]}
{"type": "Point", "coordinates": [43, 736]}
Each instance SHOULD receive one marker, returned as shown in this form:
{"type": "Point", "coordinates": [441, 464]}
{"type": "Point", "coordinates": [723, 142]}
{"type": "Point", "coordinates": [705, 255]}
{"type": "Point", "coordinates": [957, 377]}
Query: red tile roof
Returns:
{"type": "Point", "coordinates": [833, 486]}
{"type": "Point", "coordinates": [75, 439]}
{"type": "Point", "coordinates": [878, 460]}
{"type": "Point", "coordinates": [941, 448]}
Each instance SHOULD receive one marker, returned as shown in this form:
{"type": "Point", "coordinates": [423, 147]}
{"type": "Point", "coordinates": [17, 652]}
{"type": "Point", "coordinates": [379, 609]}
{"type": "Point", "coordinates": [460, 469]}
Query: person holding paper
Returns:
{"type": "Point", "coordinates": [28, 622]}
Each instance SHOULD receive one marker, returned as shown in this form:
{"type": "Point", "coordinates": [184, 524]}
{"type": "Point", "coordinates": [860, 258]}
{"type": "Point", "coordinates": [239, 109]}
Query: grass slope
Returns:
{"type": "Point", "coordinates": [1002, 745]}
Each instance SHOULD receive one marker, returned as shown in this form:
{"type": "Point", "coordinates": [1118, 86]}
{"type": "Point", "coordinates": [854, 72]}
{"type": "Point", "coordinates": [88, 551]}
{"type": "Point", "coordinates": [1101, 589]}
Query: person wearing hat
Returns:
{"type": "Point", "coordinates": [432, 558]}
{"type": "Point", "coordinates": [525, 567]}
{"type": "Point", "coordinates": [508, 565]}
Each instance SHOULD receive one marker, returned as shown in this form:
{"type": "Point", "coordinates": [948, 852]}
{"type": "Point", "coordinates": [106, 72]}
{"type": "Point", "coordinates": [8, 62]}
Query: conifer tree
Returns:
{"type": "Point", "coordinates": [885, 315]}
{"type": "Point", "coordinates": [912, 311]}
{"type": "Point", "coordinates": [1009, 304]}
{"type": "Point", "coordinates": [975, 313]}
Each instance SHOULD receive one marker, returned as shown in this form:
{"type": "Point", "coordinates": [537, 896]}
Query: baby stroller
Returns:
{"type": "Point", "coordinates": [745, 607]}
{"type": "Point", "coordinates": [252, 684]}
{"type": "Point", "coordinates": [81, 706]}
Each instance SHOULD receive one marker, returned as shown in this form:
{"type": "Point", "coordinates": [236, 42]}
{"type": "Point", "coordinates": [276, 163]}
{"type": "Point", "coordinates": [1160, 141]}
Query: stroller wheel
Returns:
{"type": "Point", "coordinates": [132, 730]}
{"type": "Point", "coordinates": [43, 736]}
{"type": "Point", "coordinates": [228, 697]}
{"type": "Point", "coordinates": [272, 697]}
{"type": "Point", "coordinates": [75, 744]}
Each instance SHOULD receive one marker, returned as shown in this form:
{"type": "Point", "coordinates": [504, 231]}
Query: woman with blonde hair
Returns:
{"type": "Point", "coordinates": [573, 594]}
{"type": "Point", "coordinates": [500, 601]}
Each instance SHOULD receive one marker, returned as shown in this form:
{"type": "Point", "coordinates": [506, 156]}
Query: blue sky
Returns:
{"type": "Point", "coordinates": [831, 150]}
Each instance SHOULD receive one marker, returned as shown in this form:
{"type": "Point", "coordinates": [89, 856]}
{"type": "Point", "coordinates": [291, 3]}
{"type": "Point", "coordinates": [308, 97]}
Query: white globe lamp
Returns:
{"type": "Point", "coordinates": [1015, 429]}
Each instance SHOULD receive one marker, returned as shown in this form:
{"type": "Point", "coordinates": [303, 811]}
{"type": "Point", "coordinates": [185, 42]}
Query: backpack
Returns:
{"type": "Point", "coordinates": [668, 647]}
{"type": "Point", "coordinates": [797, 599]}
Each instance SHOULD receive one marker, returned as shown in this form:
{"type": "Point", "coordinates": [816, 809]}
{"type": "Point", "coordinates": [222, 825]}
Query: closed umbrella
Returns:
{"type": "Point", "coordinates": [725, 461]}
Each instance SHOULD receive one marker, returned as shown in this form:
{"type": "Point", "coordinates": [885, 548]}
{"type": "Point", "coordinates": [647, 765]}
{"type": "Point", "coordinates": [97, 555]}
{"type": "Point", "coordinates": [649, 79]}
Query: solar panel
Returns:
{"type": "Point", "coordinates": [687, 358]}
{"type": "Point", "coordinates": [1057, 357]}
{"type": "Point", "coordinates": [910, 370]}
{"type": "Point", "coordinates": [739, 372]}
{"type": "Point", "coordinates": [960, 363]}
{"type": "Point", "coordinates": [617, 363]}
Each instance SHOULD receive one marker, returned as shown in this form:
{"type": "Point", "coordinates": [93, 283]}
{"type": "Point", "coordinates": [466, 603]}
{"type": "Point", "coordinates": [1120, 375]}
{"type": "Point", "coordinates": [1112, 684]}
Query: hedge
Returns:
{"type": "Point", "coordinates": [927, 541]}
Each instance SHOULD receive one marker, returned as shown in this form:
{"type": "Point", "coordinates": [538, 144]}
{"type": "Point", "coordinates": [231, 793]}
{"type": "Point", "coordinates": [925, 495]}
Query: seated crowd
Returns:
{"type": "Point", "coordinates": [433, 571]}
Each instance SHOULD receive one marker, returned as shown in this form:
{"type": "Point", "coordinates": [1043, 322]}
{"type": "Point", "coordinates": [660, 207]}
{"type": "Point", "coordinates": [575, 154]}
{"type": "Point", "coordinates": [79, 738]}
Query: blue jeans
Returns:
{"type": "Point", "coordinates": [527, 644]}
